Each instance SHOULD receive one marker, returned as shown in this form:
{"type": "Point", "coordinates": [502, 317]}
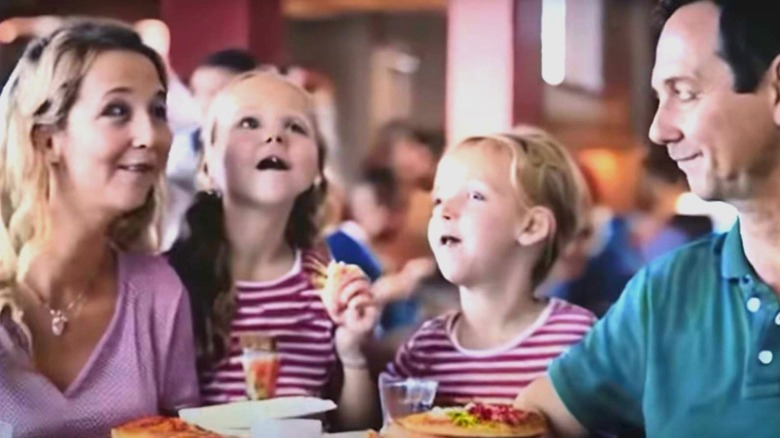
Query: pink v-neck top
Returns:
{"type": "Point", "coordinates": [143, 364]}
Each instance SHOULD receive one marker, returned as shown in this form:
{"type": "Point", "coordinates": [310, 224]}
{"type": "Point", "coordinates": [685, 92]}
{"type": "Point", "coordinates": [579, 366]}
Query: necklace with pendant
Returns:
{"type": "Point", "coordinates": [59, 318]}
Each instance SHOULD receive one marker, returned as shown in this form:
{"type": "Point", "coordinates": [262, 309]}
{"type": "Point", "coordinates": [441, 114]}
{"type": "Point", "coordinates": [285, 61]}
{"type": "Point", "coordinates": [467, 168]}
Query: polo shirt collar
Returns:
{"type": "Point", "coordinates": [734, 264]}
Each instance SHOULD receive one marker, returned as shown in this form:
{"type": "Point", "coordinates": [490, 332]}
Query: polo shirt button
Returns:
{"type": "Point", "coordinates": [753, 304]}
{"type": "Point", "coordinates": [765, 357]}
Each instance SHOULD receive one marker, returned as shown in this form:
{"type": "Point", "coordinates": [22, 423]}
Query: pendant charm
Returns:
{"type": "Point", "coordinates": [58, 321]}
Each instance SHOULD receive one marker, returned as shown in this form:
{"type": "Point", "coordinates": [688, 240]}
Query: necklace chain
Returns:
{"type": "Point", "coordinates": [67, 308]}
{"type": "Point", "coordinates": [59, 317]}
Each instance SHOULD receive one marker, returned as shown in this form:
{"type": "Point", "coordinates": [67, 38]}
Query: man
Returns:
{"type": "Point", "coordinates": [692, 348]}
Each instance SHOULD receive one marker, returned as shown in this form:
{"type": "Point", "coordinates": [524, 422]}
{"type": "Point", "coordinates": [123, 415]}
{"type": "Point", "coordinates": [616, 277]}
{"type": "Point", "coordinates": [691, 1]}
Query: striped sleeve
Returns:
{"type": "Point", "coordinates": [409, 360]}
{"type": "Point", "coordinates": [404, 364]}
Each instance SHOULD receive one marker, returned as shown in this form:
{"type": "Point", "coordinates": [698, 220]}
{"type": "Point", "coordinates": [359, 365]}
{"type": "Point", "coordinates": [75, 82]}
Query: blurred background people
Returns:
{"type": "Point", "coordinates": [658, 226]}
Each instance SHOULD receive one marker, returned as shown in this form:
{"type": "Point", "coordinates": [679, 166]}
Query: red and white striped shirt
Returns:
{"type": "Point", "coordinates": [290, 311]}
{"type": "Point", "coordinates": [495, 375]}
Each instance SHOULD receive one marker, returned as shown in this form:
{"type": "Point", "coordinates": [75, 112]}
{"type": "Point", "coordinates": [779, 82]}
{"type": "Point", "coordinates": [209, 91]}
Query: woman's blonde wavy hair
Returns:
{"type": "Point", "coordinates": [40, 94]}
{"type": "Point", "coordinates": [543, 173]}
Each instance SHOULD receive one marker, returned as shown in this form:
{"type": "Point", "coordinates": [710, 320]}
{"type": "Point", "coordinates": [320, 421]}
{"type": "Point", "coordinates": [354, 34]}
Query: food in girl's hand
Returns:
{"type": "Point", "coordinates": [332, 279]}
{"type": "Point", "coordinates": [476, 420]}
{"type": "Point", "coordinates": [160, 427]}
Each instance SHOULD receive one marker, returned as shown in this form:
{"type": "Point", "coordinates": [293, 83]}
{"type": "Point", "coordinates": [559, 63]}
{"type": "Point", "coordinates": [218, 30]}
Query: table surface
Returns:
{"type": "Point", "coordinates": [358, 434]}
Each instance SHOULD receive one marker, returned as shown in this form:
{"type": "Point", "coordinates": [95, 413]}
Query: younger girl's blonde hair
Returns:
{"type": "Point", "coordinates": [543, 173]}
{"type": "Point", "coordinates": [39, 95]}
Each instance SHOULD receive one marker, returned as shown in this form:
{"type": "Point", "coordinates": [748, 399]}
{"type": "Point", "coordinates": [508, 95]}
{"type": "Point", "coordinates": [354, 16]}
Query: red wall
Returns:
{"type": "Point", "coordinates": [200, 27]}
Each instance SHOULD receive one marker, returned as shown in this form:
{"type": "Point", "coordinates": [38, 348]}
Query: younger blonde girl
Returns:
{"type": "Point", "coordinates": [504, 207]}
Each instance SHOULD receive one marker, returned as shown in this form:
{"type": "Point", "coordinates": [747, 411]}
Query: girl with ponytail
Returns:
{"type": "Point", "coordinates": [248, 254]}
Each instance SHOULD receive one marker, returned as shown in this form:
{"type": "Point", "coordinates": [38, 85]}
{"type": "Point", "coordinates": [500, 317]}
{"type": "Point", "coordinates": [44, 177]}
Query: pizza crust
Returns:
{"type": "Point", "coordinates": [160, 427]}
{"type": "Point", "coordinates": [423, 423]}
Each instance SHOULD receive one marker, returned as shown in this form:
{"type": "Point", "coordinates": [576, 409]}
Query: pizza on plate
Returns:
{"type": "Point", "coordinates": [160, 427]}
{"type": "Point", "coordinates": [476, 420]}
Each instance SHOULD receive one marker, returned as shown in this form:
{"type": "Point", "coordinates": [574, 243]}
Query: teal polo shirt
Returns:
{"type": "Point", "coordinates": [691, 349]}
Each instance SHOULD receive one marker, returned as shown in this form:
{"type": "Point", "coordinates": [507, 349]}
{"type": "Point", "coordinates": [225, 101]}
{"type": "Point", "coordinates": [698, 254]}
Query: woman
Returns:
{"type": "Point", "coordinates": [92, 331]}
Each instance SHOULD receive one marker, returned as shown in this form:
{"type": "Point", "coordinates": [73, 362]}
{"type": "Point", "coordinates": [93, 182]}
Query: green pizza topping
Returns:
{"type": "Point", "coordinates": [462, 418]}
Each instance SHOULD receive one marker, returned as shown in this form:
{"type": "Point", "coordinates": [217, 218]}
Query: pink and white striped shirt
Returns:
{"type": "Point", "coordinates": [290, 311]}
{"type": "Point", "coordinates": [495, 375]}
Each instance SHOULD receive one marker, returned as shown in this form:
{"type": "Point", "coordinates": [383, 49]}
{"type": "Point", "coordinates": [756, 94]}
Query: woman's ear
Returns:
{"type": "Point", "coordinates": [42, 137]}
{"type": "Point", "coordinates": [536, 226]}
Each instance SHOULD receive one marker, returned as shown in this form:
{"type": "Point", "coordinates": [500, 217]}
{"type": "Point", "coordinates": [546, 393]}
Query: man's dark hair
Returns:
{"type": "Point", "coordinates": [235, 60]}
{"type": "Point", "coordinates": [749, 36]}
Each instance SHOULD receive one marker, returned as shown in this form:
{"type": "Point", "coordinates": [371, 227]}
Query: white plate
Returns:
{"type": "Point", "coordinates": [236, 418]}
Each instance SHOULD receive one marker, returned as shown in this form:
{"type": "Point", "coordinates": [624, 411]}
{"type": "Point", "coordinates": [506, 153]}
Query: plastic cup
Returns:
{"type": "Point", "coordinates": [402, 397]}
{"type": "Point", "coordinates": [261, 369]}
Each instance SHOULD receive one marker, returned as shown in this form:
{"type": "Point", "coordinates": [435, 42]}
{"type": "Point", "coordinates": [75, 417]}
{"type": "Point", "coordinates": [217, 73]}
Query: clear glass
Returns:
{"type": "Point", "coordinates": [401, 397]}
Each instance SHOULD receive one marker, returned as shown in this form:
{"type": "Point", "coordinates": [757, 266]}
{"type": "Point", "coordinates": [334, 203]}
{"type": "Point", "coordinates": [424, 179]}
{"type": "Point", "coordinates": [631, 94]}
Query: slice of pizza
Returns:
{"type": "Point", "coordinates": [332, 279]}
{"type": "Point", "coordinates": [160, 427]}
{"type": "Point", "coordinates": [476, 421]}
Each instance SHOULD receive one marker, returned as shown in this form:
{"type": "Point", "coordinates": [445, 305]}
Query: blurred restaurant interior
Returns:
{"type": "Point", "coordinates": [430, 73]}
{"type": "Point", "coordinates": [579, 68]}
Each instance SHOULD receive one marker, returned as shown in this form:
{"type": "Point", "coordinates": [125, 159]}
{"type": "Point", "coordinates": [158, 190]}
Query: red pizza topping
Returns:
{"type": "Point", "coordinates": [161, 423]}
{"type": "Point", "coordinates": [499, 413]}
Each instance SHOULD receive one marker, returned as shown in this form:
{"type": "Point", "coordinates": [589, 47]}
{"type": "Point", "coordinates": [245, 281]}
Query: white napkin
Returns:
{"type": "Point", "coordinates": [297, 428]}
{"type": "Point", "coordinates": [235, 417]}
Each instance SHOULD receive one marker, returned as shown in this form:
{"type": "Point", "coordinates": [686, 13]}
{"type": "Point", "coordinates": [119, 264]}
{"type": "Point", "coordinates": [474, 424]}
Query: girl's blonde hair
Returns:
{"type": "Point", "coordinates": [39, 95]}
{"type": "Point", "coordinates": [543, 173]}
